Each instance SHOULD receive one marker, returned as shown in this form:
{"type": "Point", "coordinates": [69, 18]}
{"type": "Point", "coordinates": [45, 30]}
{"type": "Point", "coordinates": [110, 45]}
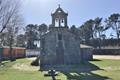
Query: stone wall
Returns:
{"type": "Point", "coordinates": [106, 51]}
{"type": "Point", "coordinates": [87, 54]}
{"type": "Point", "coordinates": [71, 53]}
{"type": "Point", "coordinates": [32, 52]}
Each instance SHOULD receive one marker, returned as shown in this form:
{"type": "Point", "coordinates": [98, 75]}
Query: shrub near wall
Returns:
{"type": "Point", "coordinates": [106, 51]}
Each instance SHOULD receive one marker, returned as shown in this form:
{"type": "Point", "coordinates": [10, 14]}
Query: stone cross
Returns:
{"type": "Point", "coordinates": [52, 74]}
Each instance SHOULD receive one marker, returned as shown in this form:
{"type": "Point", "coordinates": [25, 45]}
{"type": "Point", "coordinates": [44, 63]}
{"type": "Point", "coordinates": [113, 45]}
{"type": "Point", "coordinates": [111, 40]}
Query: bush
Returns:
{"type": "Point", "coordinates": [35, 62]}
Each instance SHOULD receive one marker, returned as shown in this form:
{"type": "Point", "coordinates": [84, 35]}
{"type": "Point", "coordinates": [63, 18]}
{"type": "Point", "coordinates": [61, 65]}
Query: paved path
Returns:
{"type": "Point", "coordinates": [115, 57]}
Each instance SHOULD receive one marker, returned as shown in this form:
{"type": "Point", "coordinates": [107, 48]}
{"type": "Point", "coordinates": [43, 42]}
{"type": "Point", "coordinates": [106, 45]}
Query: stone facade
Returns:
{"type": "Point", "coordinates": [59, 45]}
{"type": "Point", "coordinates": [87, 52]}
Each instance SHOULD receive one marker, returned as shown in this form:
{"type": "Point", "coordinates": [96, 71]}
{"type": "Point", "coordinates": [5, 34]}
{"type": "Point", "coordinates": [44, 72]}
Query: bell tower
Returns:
{"type": "Point", "coordinates": [59, 18]}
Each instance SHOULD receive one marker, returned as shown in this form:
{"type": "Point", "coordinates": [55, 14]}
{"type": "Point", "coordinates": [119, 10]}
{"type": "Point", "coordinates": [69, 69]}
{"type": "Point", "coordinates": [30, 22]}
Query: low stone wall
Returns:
{"type": "Point", "coordinates": [106, 51]}
{"type": "Point", "coordinates": [32, 53]}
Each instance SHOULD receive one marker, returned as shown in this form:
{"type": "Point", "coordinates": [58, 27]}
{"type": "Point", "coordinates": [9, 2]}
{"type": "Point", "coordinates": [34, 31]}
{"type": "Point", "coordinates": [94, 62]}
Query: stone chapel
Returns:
{"type": "Point", "coordinates": [59, 45]}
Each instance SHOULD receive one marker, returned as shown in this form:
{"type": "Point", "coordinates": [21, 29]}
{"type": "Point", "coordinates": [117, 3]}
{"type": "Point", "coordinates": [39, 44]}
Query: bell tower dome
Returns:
{"type": "Point", "coordinates": [59, 18]}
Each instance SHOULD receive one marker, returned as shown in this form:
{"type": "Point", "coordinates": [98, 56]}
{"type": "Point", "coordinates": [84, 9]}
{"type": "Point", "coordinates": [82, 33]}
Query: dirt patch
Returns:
{"type": "Point", "coordinates": [33, 58]}
{"type": "Point", "coordinates": [25, 67]}
{"type": "Point", "coordinates": [113, 57]}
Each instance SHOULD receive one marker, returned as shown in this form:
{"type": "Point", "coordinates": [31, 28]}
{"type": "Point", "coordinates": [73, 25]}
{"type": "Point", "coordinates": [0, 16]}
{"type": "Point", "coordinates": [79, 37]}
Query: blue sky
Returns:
{"type": "Point", "coordinates": [39, 11]}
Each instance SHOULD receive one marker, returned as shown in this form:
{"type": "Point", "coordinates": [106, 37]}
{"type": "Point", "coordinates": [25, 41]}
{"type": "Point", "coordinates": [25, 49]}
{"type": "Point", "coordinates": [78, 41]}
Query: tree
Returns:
{"type": "Point", "coordinates": [20, 40]}
{"type": "Point", "coordinates": [8, 10]}
{"type": "Point", "coordinates": [10, 20]}
{"type": "Point", "coordinates": [98, 29]}
{"type": "Point", "coordinates": [75, 30]}
{"type": "Point", "coordinates": [31, 35]}
{"type": "Point", "coordinates": [86, 31]}
{"type": "Point", "coordinates": [114, 22]}
{"type": "Point", "coordinates": [2, 39]}
{"type": "Point", "coordinates": [42, 28]}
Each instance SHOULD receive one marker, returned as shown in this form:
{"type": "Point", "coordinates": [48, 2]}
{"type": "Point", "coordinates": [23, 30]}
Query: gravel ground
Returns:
{"type": "Point", "coordinates": [114, 57]}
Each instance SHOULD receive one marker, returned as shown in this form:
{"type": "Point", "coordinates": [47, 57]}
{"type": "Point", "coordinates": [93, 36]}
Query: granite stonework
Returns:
{"type": "Point", "coordinates": [59, 45]}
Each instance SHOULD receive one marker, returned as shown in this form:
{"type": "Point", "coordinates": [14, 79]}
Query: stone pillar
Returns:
{"type": "Point", "coordinates": [53, 21]}
{"type": "Point", "coordinates": [59, 22]}
{"type": "Point", "coordinates": [66, 22]}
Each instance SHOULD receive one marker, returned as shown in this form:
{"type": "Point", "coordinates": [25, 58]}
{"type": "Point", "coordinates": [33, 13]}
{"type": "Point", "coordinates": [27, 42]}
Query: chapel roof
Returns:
{"type": "Point", "coordinates": [59, 10]}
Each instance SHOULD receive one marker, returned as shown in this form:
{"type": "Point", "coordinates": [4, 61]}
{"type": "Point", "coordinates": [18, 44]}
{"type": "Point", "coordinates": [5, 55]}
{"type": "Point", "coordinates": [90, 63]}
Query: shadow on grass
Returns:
{"type": "Point", "coordinates": [96, 60]}
{"type": "Point", "coordinates": [3, 63]}
{"type": "Point", "coordinates": [82, 71]}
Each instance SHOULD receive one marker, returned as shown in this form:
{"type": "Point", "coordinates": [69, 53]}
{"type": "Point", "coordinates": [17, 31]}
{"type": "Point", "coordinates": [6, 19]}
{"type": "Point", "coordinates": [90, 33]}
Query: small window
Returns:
{"type": "Point", "coordinates": [59, 36]}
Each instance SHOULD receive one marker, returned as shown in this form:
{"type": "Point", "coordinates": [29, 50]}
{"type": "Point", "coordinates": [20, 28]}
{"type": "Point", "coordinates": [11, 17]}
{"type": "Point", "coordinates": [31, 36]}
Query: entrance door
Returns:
{"type": "Point", "coordinates": [59, 53]}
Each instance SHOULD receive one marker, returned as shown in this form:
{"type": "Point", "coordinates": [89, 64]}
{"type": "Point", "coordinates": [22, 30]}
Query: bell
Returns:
{"type": "Point", "coordinates": [62, 20]}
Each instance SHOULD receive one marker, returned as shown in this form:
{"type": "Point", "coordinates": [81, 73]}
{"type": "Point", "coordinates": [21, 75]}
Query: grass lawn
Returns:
{"type": "Point", "coordinates": [94, 70]}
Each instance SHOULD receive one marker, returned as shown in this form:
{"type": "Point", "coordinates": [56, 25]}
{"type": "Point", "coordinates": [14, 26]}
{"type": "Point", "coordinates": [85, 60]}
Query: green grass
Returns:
{"type": "Point", "coordinates": [93, 70]}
